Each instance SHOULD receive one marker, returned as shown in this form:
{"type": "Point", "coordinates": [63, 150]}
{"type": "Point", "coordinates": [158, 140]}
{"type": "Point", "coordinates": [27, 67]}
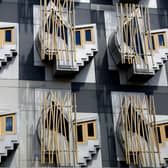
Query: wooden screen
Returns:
{"type": "Point", "coordinates": [57, 32]}
{"type": "Point", "coordinates": [137, 128]}
{"type": "Point", "coordinates": [57, 133]}
{"type": "Point", "coordinates": [133, 31]}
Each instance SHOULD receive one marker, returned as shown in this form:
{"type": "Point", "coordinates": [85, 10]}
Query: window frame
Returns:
{"type": "Point", "coordinates": [161, 134]}
{"type": "Point", "coordinates": [12, 35]}
{"type": "Point", "coordinates": [13, 124]}
{"type": "Point", "coordinates": [92, 35]}
{"type": "Point", "coordinates": [166, 138]}
{"type": "Point", "coordinates": [155, 43]}
{"type": "Point", "coordinates": [164, 38]}
{"type": "Point", "coordinates": [81, 38]}
{"type": "Point", "coordinates": [83, 133]}
{"type": "Point", "coordinates": [94, 128]}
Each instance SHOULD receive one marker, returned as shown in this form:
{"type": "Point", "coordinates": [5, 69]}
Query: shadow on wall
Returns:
{"type": "Point", "coordinates": [162, 7]}
{"type": "Point", "coordinates": [27, 70]}
{"type": "Point", "coordinates": [104, 2]}
{"type": "Point", "coordinates": [7, 161]}
{"type": "Point", "coordinates": [7, 64]}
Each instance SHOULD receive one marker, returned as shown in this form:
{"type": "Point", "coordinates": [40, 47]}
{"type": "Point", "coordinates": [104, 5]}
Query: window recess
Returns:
{"type": "Point", "coordinates": [7, 124]}
{"type": "Point", "coordinates": [9, 36]}
{"type": "Point", "coordinates": [86, 131]}
{"type": "Point", "coordinates": [166, 131]}
{"type": "Point", "coordinates": [91, 130]}
{"type": "Point", "coordinates": [84, 36]}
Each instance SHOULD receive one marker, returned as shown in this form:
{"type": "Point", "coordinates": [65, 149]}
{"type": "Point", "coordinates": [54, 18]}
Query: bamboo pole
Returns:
{"type": "Point", "coordinates": [140, 114]}
{"type": "Point", "coordinates": [54, 16]}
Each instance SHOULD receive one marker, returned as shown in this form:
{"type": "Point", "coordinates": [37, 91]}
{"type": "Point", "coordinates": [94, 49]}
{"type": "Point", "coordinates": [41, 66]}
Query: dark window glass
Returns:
{"type": "Point", "coordinates": [166, 131]}
{"type": "Point", "coordinates": [78, 38]}
{"type": "Point", "coordinates": [66, 34]}
{"type": "Point", "coordinates": [138, 44]}
{"type": "Point", "coordinates": [58, 32]}
{"type": "Point", "coordinates": [9, 123]}
{"type": "Point", "coordinates": [153, 43]}
{"type": "Point", "coordinates": [159, 135]}
{"type": "Point", "coordinates": [79, 133]}
{"type": "Point", "coordinates": [90, 127]}
{"type": "Point", "coordinates": [88, 35]}
{"type": "Point", "coordinates": [8, 35]}
{"type": "Point", "coordinates": [161, 40]}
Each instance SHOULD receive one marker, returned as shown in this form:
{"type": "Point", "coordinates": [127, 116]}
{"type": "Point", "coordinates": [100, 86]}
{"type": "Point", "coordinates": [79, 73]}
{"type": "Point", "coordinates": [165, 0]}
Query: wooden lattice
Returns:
{"type": "Point", "coordinates": [57, 133]}
{"type": "Point", "coordinates": [137, 129]}
{"type": "Point", "coordinates": [57, 32]}
{"type": "Point", "coordinates": [134, 33]}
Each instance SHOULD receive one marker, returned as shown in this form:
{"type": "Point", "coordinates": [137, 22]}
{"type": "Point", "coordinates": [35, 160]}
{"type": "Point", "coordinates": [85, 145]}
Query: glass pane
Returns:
{"type": "Point", "coordinates": [90, 127]}
{"type": "Point", "coordinates": [8, 36]}
{"type": "Point", "coordinates": [138, 44]}
{"type": "Point", "coordinates": [159, 135]}
{"type": "Point", "coordinates": [66, 34]}
{"type": "Point", "coordinates": [88, 35]}
{"type": "Point", "coordinates": [9, 124]}
{"type": "Point", "coordinates": [161, 40]}
{"type": "Point", "coordinates": [79, 133]}
{"type": "Point", "coordinates": [153, 43]}
{"type": "Point", "coordinates": [166, 131]}
{"type": "Point", "coordinates": [78, 38]}
{"type": "Point", "coordinates": [58, 32]}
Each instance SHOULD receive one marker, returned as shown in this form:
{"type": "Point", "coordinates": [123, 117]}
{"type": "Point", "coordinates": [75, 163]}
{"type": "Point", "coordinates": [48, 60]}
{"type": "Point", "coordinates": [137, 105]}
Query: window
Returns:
{"type": "Point", "coordinates": [90, 129]}
{"type": "Point", "coordinates": [80, 137]}
{"type": "Point", "coordinates": [138, 42]}
{"type": "Point", "coordinates": [84, 35]}
{"type": "Point", "coordinates": [8, 36]}
{"type": "Point", "coordinates": [159, 135]}
{"type": "Point", "coordinates": [86, 131]}
{"type": "Point", "coordinates": [9, 124]}
{"type": "Point", "coordinates": [166, 131]}
{"type": "Point", "coordinates": [66, 34]}
{"type": "Point", "coordinates": [9, 121]}
{"type": "Point", "coordinates": [78, 38]}
{"type": "Point", "coordinates": [161, 40]}
{"type": "Point", "coordinates": [88, 35]}
{"type": "Point", "coordinates": [153, 42]}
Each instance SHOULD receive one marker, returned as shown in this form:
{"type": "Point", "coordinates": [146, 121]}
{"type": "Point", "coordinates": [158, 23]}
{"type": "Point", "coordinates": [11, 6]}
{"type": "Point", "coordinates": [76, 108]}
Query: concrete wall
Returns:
{"type": "Point", "coordinates": [19, 95]}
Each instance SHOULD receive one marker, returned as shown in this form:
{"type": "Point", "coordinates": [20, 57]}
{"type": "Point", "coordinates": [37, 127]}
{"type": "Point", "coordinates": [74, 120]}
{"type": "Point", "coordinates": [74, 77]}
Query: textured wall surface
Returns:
{"type": "Point", "coordinates": [93, 92]}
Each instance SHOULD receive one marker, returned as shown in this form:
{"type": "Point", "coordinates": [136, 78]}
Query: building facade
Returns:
{"type": "Point", "coordinates": [83, 83]}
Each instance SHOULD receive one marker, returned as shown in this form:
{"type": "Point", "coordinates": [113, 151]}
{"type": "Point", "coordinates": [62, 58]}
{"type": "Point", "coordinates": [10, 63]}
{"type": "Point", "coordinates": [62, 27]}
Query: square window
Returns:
{"type": "Point", "coordinates": [9, 123]}
{"type": "Point", "coordinates": [88, 35]}
{"type": "Point", "coordinates": [166, 131]}
{"type": "Point", "coordinates": [78, 38]}
{"type": "Point", "coordinates": [90, 127]}
{"type": "Point", "coordinates": [161, 40]}
{"type": "Point", "coordinates": [8, 35]}
{"type": "Point", "coordinates": [80, 133]}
